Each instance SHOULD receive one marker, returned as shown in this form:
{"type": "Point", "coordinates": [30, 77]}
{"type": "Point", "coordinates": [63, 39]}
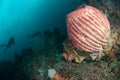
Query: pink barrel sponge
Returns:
{"type": "Point", "coordinates": [88, 29]}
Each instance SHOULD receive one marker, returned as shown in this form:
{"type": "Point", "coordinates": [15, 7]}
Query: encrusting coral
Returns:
{"type": "Point", "coordinates": [71, 54]}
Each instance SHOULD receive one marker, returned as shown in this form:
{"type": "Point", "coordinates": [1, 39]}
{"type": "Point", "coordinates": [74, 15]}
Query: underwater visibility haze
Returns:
{"type": "Point", "coordinates": [59, 39]}
{"type": "Point", "coordinates": [20, 18]}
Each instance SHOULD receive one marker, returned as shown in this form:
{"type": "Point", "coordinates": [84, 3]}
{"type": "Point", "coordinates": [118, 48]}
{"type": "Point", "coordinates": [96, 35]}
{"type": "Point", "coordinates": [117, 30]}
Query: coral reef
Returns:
{"type": "Point", "coordinates": [90, 71]}
{"type": "Point", "coordinates": [77, 64]}
{"type": "Point", "coordinates": [34, 62]}
{"type": "Point", "coordinates": [71, 63]}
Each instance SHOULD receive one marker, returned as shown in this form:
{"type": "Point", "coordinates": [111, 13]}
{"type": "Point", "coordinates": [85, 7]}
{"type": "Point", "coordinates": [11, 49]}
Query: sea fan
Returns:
{"type": "Point", "coordinates": [88, 29]}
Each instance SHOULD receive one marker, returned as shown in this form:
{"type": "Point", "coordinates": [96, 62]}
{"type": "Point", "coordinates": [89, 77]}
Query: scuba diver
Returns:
{"type": "Point", "coordinates": [34, 34]}
{"type": "Point", "coordinates": [9, 44]}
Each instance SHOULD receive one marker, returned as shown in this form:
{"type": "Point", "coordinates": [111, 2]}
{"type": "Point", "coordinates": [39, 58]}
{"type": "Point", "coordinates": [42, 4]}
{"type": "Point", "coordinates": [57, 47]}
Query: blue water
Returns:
{"type": "Point", "coordinates": [19, 18]}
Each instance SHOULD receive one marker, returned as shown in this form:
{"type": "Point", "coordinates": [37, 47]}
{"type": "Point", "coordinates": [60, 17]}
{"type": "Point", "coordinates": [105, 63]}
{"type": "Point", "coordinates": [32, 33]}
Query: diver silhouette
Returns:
{"type": "Point", "coordinates": [9, 44]}
{"type": "Point", "coordinates": [34, 34]}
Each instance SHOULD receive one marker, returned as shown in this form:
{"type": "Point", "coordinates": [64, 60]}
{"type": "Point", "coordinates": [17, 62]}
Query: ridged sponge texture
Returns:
{"type": "Point", "coordinates": [88, 28]}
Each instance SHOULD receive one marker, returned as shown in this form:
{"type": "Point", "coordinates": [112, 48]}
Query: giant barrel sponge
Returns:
{"type": "Point", "coordinates": [88, 29]}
